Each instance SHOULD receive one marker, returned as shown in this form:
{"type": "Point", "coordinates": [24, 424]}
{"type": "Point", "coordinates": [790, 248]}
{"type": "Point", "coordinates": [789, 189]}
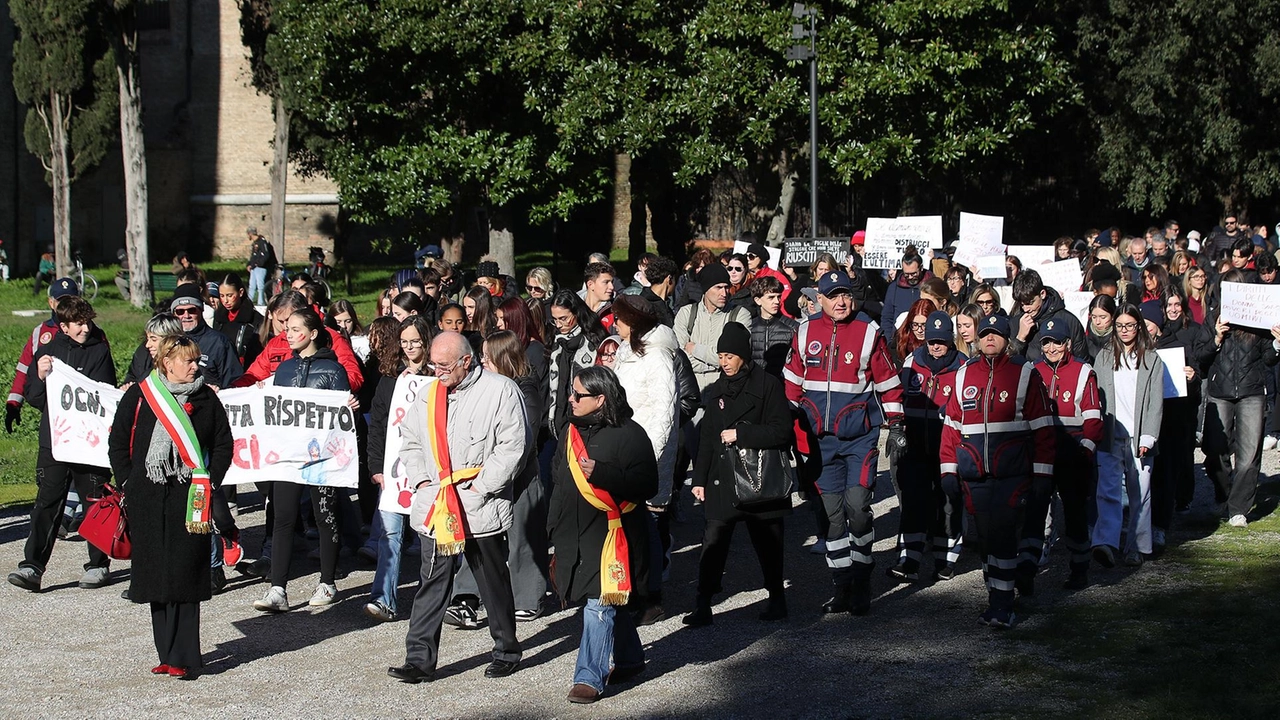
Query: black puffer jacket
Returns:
{"type": "Point", "coordinates": [771, 341]}
{"type": "Point", "coordinates": [321, 371]}
{"type": "Point", "coordinates": [1239, 368]}
{"type": "Point", "coordinates": [91, 359]}
{"type": "Point", "coordinates": [1051, 310]}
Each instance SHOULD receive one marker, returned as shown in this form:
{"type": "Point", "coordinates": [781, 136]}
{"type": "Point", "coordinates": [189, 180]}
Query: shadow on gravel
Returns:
{"type": "Point", "coordinates": [267, 635]}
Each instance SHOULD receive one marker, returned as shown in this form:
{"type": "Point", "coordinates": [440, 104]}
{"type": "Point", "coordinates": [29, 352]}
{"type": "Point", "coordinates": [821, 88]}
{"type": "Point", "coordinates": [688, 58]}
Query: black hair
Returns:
{"type": "Point", "coordinates": [600, 380]}
{"type": "Point", "coordinates": [312, 320]}
{"type": "Point", "coordinates": [1027, 286]}
{"type": "Point", "coordinates": [409, 302]}
{"type": "Point", "coordinates": [659, 269]}
{"type": "Point", "coordinates": [585, 319]}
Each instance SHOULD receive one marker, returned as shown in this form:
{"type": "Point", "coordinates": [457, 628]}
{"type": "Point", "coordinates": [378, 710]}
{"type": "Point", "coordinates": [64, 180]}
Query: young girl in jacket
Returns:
{"type": "Point", "coordinates": [1131, 382]}
{"type": "Point", "coordinates": [313, 365]}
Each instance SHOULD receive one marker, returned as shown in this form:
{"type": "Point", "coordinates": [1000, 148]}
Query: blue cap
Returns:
{"type": "Point", "coordinates": [996, 323]}
{"type": "Point", "coordinates": [1056, 330]}
{"type": "Point", "coordinates": [938, 327]}
{"type": "Point", "coordinates": [834, 281]}
{"type": "Point", "coordinates": [63, 287]}
{"type": "Point", "coordinates": [1152, 311]}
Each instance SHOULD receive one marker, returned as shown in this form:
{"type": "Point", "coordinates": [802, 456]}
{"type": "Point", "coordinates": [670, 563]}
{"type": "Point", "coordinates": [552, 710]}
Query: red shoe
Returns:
{"type": "Point", "coordinates": [160, 669]}
{"type": "Point", "coordinates": [177, 672]}
{"type": "Point", "coordinates": [232, 553]}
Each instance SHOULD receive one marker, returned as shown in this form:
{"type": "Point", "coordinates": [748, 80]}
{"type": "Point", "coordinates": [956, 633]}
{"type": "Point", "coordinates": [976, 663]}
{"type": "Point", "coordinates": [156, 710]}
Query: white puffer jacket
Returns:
{"type": "Point", "coordinates": [650, 382]}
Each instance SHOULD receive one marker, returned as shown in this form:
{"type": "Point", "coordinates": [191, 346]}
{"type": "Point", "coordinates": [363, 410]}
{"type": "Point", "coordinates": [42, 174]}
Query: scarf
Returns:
{"type": "Point", "coordinates": [734, 384]}
{"type": "Point", "coordinates": [174, 451]}
{"type": "Point", "coordinates": [562, 351]}
{"type": "Point", "coordinates": [445, 520]}
{"type": "Point", "coordinates": [615, 556]}
{"type": "Point", "coordinates": [937, 365]}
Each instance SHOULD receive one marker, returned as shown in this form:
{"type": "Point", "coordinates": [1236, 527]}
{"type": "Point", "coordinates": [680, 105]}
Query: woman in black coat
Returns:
{"type": "Point", "coordinates": [237, 319]}
{"type": "Point", "coordinates": [170, 565]}
{"type": "Point", "coordinates": [747, 407]}
{"type": "Point", "coordinates": [619, 460]}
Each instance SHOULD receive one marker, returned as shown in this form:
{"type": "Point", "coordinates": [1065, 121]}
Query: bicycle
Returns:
{"type": "Point", "coordinates": [86, 280]}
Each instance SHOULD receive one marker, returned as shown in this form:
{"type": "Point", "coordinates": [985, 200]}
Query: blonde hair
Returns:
{"type": "Point", "coordinates": [180, 347]}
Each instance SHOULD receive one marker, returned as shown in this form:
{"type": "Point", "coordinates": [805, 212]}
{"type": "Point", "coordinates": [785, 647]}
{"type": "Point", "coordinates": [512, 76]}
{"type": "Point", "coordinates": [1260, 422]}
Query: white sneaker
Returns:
{"type": "Point", "coordinates": [1238, 521]}
{"type": "Point", "coordinates": [276, 600]}
{"type": "Point", "coordinates": [1269, 442]}
{"type": "Point", "coordinates": [324, 595]}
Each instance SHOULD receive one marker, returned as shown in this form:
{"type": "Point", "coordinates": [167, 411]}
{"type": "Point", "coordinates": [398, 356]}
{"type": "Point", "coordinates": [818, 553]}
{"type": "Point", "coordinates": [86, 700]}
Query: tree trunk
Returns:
{"type": "Point", "coordinates": [279, 177]}
{"type": "Point", "coordinates": [60, 170]}
{"type": "Point", "coordinates": [622, 205]}
{"type": "Point", "coordinates": [133, 149]}
{"type": "Point", "coordinates": [782, 213]}
{"type": "Point", "coordinates": [502, 247]}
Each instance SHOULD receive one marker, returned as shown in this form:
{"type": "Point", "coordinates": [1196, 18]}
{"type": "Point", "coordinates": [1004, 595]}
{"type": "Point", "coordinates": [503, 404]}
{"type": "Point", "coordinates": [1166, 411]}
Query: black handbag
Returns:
{"type": "Point", "coordinates": [761, 476]}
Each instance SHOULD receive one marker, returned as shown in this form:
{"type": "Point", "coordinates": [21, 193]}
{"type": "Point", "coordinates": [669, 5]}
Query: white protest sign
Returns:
{"type": "Point", "coordinates": [990, 268]}
{"type": "Point", "coordinates": [1250, 305]}
{"type": "Point", "coordinates": [80, 414]}
{"type": "Point", "coordinates": [397, 488]}
{"type": "Point", "coordinates": [980, 236]}
{"type": "Point", "coordinates": [1063, 276]}
{"type": "Point", "coordinates": [775, 254]}
{"type": "Point", "coordinates": [888, 238]}
{"type": "Point", "coordinates": [360, 346]}
{"type": "Point", "coordinates": [1032, 255]}
{"type": "Point", "coordinates": [288, 434]}
{"type": "Point", "coordinates": [1006, 297]}
{"type": "Point", "coordinates": [1078, 304]}
{"type": "Point", "coordinates": [1175, 376]}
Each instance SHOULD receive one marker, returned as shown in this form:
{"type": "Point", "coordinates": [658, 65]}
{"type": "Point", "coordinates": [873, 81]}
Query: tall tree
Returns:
{"type": "Point", "coordinates": [255, 28]}
{"type": "Point", "coordinates": [63, 71]}
{"type": "Point", "coordinates": [124, 44]}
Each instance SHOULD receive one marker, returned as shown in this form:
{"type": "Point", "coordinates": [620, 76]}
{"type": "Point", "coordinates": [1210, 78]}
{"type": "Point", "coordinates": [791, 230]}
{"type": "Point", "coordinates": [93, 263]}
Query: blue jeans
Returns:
{"type": "Point", "coordinates": [386, 578]}
{"type": "Point", "coordinates": [258, 286]}
{"type": "Point", "coordinates": [609, 640]}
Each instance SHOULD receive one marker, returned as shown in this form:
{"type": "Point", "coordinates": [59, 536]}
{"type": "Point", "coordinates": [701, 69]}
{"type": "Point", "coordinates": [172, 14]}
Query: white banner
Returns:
{"type": "Point", "coordinates": [1078, 304]}
{"type": "Point", "coordinates": [991, 268]}
{"type": "Point", "coordinates": [980, 236]}
{"type": "Point", "coordinates": [887, 238]}
{"type": "Point", "coordinates": [1063, 276]}
{"type": "Point", "coordinates": [397, 489]}
{"type": "Point", "coordinates": [1175, 374]}
{"type": "Point", "coordinates": [775, 254]}
{"type": "Point", "coordinates": [287, 434]}
{"type": "Point", "coordinates": [1032, 255]}
{"type": "Point", "coordinates": [80, 413]}
{"type": "Point", "coordinates": [1251, 305]}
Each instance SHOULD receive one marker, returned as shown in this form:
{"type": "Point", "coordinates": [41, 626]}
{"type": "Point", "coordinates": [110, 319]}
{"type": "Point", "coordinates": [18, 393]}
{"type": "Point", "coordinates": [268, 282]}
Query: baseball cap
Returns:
{"type": "Point", "coordinates": [63, 287]}
{"type": "Point", "coordinates": [1055, 330]}
{"type": "Point", "coordinates": [833, 282]}
{"type": "Point", "coordinates": [938, 327]}
{"type": "Point", "coordinates": [997, 323]}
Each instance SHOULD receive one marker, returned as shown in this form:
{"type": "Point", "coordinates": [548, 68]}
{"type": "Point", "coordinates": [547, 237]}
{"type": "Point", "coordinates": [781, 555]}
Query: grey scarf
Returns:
{"type": "Point", "coordinates": [163, 461]}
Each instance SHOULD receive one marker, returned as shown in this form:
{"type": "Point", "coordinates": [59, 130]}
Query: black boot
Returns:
{"type": "Point", "coordinates": [842, 602]}
{"type": "Point", "coordinates": [217, 580]}
{"type": "Point", "coordinates": [1078, 580]}
{"type": "Point", "coordinates": [861, 597]}
{"type": "Point", "coordinates": [701, 615]}
{"type": "Point", "coordinates": [776, 609]}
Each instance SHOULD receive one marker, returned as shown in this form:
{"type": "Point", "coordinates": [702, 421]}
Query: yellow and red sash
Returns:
{"type": "Point", "coordinates": [615, 558]}
{"type": "Point", "coordinates": [445, 519]}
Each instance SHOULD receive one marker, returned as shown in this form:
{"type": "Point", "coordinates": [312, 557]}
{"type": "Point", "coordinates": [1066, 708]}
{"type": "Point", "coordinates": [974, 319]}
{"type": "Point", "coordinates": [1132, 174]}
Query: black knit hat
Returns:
{"type": "Point", "coordinates": [488, 269]}
{"type": "Point", "coordinates": [735, 339]}
{"type": "Point", "coordinates": [713, 274]}
{"type": "Point", "coordinates": [186, 294]}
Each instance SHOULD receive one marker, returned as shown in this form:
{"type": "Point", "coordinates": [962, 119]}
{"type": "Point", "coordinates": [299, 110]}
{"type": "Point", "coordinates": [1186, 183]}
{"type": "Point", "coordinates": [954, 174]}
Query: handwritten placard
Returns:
{"type": "Point", "coordinates": [980, 236]}
{"type": "Point", "coordinates": [289, 434]}
{"type": "Point", "coordinates": [1063, 276]}
{"type": "Point", "coordinates": [1077, 304]}
{"type": "Point", "coordinates": [991, 268]}
{"type": "Point", "coordinates": [803, 252]}
{"type": "Point", "coordinates": [1175, 376]}
{"type": "Point", "coordinates": [888, 238]}
{"type": "Point", "coordinates": [1032, 255]}
{"type": "Point", "coordinates": [397, 486]}
{"type": "Point", "coordinates": [1251, 305]}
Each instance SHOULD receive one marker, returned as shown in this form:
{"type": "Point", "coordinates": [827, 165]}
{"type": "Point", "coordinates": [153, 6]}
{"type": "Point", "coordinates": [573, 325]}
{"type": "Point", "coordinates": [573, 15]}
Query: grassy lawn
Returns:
{"type": "Point", "coordinates": [1195, 639]}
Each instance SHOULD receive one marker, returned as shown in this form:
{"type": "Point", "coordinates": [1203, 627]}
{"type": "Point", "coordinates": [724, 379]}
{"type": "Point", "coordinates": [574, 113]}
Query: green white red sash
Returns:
{"type": "Point", "coordinates": [173, 418]}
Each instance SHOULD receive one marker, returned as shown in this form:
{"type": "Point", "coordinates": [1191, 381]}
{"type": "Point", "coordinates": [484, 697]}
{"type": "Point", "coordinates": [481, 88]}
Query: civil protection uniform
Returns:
{"type": "Point", "coordinates": [1072, 389]}
{"type": "Point", "coordinates": [997, 437]}
{"type": "Point", "coordinates": [843, 380]}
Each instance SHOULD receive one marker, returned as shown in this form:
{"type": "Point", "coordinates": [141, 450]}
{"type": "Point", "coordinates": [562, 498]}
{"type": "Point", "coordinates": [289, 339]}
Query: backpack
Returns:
{"type": "Point", "coordinates": [687, 392]}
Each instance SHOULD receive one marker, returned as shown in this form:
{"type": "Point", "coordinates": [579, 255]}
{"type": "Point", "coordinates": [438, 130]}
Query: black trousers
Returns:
{"type": "Point", "coordinates": [487, 557]}
{"type": "Point", "coordinates": [1075, 479]}
{"type": "Point", "coordinates": [53, 480]}
{"type": "Point", "coordinates": [1173, 472]}
{"type": "Point", "coordinates": [176, 627]}
{"type": "Point", "coordinates": [766, 538]}
{"type": "Point", "coordinates": [287, 495]}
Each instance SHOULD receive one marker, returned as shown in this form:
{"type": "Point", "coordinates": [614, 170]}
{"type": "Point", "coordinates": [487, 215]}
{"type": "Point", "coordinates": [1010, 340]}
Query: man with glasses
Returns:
{"type": "Point", "coordinates": [840, 375]}
{"type": "Point", "coordinates": [1224, 237]}
{"type": "Point", "coordinates": [1036, 306]}
{"type": "Point", "coordinates": [486, 439]}
{"type": "Point", "coordinates": [218, 361]}
{"type": "Point", "coordinates": [903, 292]}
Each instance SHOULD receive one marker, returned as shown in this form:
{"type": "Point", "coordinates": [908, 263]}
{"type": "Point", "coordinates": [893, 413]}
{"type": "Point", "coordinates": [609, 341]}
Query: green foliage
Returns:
{"type": "Point", "coordinates": [60, 49]}
{"type": "Point", "coordinates": [1183, 98]}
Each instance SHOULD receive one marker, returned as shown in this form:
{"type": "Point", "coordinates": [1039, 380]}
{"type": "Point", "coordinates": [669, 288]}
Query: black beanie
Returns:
{"type": "Point", "coordinates": [735, 339]}
{"type": "Point", "coordinates": [713, 274]}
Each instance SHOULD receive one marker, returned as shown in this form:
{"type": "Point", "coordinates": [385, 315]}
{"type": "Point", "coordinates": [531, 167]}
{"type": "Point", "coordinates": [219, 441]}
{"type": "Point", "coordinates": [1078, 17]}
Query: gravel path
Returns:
{"type": "Point", "coordinates": [72, 652]}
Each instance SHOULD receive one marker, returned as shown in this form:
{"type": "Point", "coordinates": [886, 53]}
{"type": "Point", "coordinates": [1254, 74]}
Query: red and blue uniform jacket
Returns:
{"type": "Point", "coordinates": [842, 378]}
{"type": "Point", "coordinates": [924, 397]}
{"type": "Point", "coordinates": [1073, 399]}
{"type": "Point", "coordinates": [998, 423]}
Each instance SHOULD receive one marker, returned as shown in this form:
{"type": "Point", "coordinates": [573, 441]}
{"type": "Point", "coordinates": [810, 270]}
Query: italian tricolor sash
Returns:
{"type": "Point", "coordinates": [175, 421]}
{"type": "Point", "coordinates": [615, 558]}
{"type": "Point", "coordinates": [445, 520]}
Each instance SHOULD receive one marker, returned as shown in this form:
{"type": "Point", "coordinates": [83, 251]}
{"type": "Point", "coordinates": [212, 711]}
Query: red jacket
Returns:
{"type": "Point", "coordinates": [998, 421]}
{"type": "Point", "coordinates": [835, 372]}
{"type": "Point", "coordinates": [766, 271]}
{"type": "Point", "coordinates": [924, 398]}
{"type": "Point", "coordinates": [1073, 399]}
{"type": "Point", "coordinates": [277, 351]}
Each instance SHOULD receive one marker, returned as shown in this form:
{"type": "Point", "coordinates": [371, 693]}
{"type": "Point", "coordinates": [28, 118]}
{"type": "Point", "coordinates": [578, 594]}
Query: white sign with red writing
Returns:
{"type": "Point", "coordinates": [1063, 276]}
{"type": "Point", "coordinates": [288, 434]}
{"type": "Point", "coordinates": [80, 414]}
{"type": "Point", "coordinates": [397, 488]}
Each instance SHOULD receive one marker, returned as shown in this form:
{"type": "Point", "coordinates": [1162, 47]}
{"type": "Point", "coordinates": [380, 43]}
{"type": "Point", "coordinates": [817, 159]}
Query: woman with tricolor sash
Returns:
{"type": "Point", "coordinates": [170, 446]}
{"type": "Point", "coordinates": [604, 469]}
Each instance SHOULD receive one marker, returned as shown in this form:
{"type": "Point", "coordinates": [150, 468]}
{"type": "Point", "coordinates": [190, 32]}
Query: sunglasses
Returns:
{"type": "Point", "coordinates": [577, 396]}
{"type": "Point", "coordinates": [186, 311]}
{"type": "Point", "coordinates": [533, 288]}
{"type": "Point", "coordinates": [752, 256]}
{"type": "Point", "coordinates": [737, 269]}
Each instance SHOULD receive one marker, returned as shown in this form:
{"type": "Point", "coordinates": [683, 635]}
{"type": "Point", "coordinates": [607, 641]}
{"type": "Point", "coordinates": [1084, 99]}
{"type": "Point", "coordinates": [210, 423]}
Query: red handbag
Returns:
{"type": "Point", "coordinates": [105, 525]}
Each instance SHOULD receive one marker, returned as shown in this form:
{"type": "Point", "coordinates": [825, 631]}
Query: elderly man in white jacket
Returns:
{"type": "Point", "coordinates": [486, 428]}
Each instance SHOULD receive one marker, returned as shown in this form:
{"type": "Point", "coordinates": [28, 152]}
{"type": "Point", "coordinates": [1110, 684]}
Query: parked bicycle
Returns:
{"type": "Point", "coordinates": [88, 283]}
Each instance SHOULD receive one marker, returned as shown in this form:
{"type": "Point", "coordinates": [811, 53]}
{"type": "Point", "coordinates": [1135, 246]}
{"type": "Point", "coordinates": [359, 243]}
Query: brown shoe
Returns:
{"type": "Point", "coordinates": [583, 694]}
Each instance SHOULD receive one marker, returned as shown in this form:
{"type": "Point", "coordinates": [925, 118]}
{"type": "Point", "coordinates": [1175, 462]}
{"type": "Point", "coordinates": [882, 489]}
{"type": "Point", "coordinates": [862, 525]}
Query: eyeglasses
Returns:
{"type": "Point", "coordinates": [562, 322]}
{"type": "Point", "coordinates": [609, 354]}
{"type": "Point", "coordinates": [577, 396]}
{"type": "Point", "coordinates": [186, 311]}
{"type": "Point", "coordinates": [446, 368]}
{"type": "Point", "coordinates": [917, 326]}
{"type": "Point", "coordinates": [1126, 326]}
{"type": "Point", "coordinates": [1051, 341]}
{"type": "Point", "coordinates": [411, 343]}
